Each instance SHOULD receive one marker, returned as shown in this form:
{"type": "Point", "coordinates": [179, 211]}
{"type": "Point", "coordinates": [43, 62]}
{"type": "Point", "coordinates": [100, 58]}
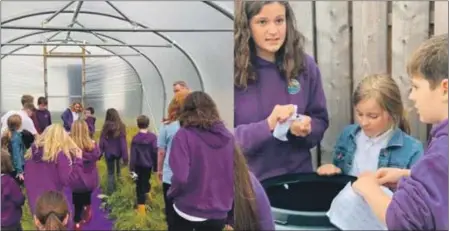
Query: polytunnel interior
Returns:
{"type": "Point", "coordinates": [134, 51]}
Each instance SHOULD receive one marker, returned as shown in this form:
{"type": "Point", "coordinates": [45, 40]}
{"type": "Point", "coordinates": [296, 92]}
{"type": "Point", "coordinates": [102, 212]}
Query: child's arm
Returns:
{"type": "Point", "coordinates": [17, 196]}
{"type": "Point", "coordinates": [66, 168]}
{"type": "Point", "coordinates": [179, 163]}
{"type": "Point", "coordinates": [132, 155]}
{"type": "Point", "coordinates": [102, 143]}
{"type": "Point", "coordinates": [16, 154]}
{"type": "Point", "coordinates": [162, 145]}
{"type": "Point", "coordinates": [124, 146]}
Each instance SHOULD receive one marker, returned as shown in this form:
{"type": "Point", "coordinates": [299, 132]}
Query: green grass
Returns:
{"type": "Point", "coordinates": [123, 199]}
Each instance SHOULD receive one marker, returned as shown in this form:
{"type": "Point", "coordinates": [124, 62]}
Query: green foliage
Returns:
{"type": "Point", "coordinates": [121, 202]}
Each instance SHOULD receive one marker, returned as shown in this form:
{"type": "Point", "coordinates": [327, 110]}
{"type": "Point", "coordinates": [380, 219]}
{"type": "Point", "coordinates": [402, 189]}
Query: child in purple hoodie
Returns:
{"type": "Point", "coordinates": [52, 163]}
{"type": "Point", "coordinates": [420, 201]}
{"type": "Point", "coordinates": [201, 159]}
{"type": "Point", "coordinates": [86, 180]}
{"type": "Point", "coordinates": [114, 146]}
{"type": "Point", "coordinates": [143, 150]}
{"type": "Point", "coordinates": [90, 120]}
{"type": "Point", "coordinates": [12, 197]}
{"type": "Point", "coordinates": [52, 211]}
{"type": "Point", "coordinates": [43, 116]}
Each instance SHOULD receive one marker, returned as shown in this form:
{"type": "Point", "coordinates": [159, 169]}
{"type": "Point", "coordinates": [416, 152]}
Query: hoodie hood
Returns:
{"type": "Point", "coordinates": [144, 138]}
{"type": "Point", "coordinates": [440, 129]}
{"type": "Point", "coordinates": [91, 118]}
{"type": "Point", "coordinates": [92, 155]}
{"type": "Point", "coordinates": [216, 137]}
{"type": "Point", "coordinates": [37, 153]}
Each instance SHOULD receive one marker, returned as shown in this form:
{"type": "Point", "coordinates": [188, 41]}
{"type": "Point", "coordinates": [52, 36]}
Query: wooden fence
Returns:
{"type": "Point", "coordinates": [350, 39]}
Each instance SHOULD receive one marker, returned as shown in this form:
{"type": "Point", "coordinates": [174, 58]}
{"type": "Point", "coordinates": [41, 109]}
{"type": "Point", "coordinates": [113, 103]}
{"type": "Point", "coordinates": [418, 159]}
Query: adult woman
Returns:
{"type": "Point", "coordinates": [272, 74]}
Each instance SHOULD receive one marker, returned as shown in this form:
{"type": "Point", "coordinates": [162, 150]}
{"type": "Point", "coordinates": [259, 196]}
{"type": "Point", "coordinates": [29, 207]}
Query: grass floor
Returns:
{"type": "Point", "coordinates": [121, 202]}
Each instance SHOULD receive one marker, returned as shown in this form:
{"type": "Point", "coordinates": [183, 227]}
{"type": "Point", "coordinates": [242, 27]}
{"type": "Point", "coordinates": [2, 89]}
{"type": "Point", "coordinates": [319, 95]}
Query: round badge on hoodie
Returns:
{"type": "Point", "coordinates": [294, 87]}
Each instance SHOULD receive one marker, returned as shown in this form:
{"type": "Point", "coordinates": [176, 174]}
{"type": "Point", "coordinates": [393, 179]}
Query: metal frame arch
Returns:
{"type": "Point", "coordinates": [185, 53]}
{"type": "Point", "coordinates": [220, 9]}
{"type": "Point", "coordinates": [109, 37]}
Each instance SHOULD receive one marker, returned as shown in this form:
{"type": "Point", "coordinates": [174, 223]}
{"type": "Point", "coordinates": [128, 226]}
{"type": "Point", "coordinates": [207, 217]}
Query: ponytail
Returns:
{"type": "Point", "coordinates": [245, 207]}
{"type": "Point", "coordinates": [6, 139]}
{"type": "Point", "coordinates": [53, 223]}
{"type": "Point", "coordinates": [403, 123]}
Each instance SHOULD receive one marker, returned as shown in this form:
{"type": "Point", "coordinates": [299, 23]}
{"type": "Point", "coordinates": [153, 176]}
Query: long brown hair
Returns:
{"type": "Point", "coordinates": [245, 207]}
{"type": "Point", "coordinates": [113, 121]}
{"type": "Point", "coordinates": [174, 108]}
{"type": "Point", "coordinates": [199, 111]}
{"type": "Point", "coordinates": [80, 135]}
{"type": "Point", "coordinates": [52, 211]}
{"type": "Point", "coordinates": [290, 57]}
{"type": "Point", "coordinates": [14, 123]}
{"type": "Point", "coordinates": [385, 91]}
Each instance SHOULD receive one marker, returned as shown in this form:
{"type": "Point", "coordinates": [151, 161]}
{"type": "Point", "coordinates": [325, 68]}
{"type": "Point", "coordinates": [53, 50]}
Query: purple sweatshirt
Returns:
{"type": "Point", "coordinates": [87, 179]}
{"type": "Point", "coordinates": [113, 146]}
{"type": "Point", "coordinates": [143, 151]}
{"type": "Point", "coordinates": [12, 201]}
{"type": "Point", "coordinates": [90, 120]}
{"type": "Point", "coordinates": [67, 119]}
{"type": "Point", "coordinates": [43, 118]}
{"type": "Point", "coordinates": [420, 201]}
{"type": "Point", "coordinates": [203, 171]}
{"type": "Point", "coordinates": [267, 156]}
{"type": "Point", "coordinates": [41, 176]}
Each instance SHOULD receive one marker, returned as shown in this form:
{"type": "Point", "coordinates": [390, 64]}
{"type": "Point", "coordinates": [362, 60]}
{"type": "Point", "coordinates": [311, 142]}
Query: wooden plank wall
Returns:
{"type": "Point", "coordinates": [350, 39]}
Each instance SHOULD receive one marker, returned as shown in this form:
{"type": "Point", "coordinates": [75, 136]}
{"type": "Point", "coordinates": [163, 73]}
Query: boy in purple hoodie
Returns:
{"type": "Point", "coordinates": [43, 116]}
{"type": "Point", "coordinates": [90, 120]}
{"type": "Point", "coordinates": [143, 150]}
{"type": "Point", "coordinates": [420, 201]}
{"type": "Point", "coordinates": [201, 159]}
{"type": "Point", "coordinates": [12, 197]}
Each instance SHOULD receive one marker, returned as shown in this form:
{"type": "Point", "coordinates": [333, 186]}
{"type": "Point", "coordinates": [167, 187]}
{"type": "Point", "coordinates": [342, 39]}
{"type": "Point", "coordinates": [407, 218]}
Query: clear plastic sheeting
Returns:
{"type": "Point", "coordinates": [137, 79]}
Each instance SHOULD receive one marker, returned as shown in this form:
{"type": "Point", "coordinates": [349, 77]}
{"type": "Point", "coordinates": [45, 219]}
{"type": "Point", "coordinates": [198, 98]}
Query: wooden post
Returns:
{"type": "Point", "coordinates": [410, 23]}
{"type": "Point", "coordinates": [45, 72]}
{"type": "Point", "coordinates": [333, 56]}
{"type": "Point", "coordinates": [83, 74]}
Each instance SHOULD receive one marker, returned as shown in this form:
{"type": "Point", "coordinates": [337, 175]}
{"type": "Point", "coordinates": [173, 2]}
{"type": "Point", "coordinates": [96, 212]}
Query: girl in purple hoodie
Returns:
{"type": "Point", "coordinates": [201, 158]}
{"type": "Point", "coordinates": [52, 211]}
{"type": "Point", "coordinates": [51, 164]}
{"type": "Point", "coordinates": [114, 146]}
{"type": "Point", "coordinates": [12, 197]}
{"type": "Point", "coordinates": [86, 180]}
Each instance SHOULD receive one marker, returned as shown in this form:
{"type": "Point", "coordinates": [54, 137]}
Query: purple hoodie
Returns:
{"type": "Point", "coordinates": [420, 201]}
{"type": "Point", "coordinates": [113, 146]}
{"type": "Point", "coordinates": [41, 176]}
{"type": "Point", "coordinates": [203, 171]}
{"type": "Point", "coordinates": [267, 156]}
{"type": "Point", "coordinates": [87, 179]}
{"type": "Point", "coordinates": [12, 201]}
{"type": "Point", "coordinates": [143, 151]}
{"type": "Point", "coordinates": [67, 119]}
{"type": "Point", "coordinates": [90, 120]}
{"type": "Point", "coordinates": [43, 119]}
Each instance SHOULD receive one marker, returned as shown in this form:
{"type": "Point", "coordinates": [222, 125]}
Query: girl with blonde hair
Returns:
{"type": "Point", "coordinates": [53, 160]}
{"type": "Point", "coordinates": [87, 180]}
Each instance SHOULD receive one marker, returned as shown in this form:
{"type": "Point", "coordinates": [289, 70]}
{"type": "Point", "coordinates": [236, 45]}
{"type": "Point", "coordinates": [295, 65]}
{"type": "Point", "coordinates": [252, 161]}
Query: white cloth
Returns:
{"type": "Point", "coordinates": [281, 129]}
{"type": "Point", "coordinates": [27, 122]}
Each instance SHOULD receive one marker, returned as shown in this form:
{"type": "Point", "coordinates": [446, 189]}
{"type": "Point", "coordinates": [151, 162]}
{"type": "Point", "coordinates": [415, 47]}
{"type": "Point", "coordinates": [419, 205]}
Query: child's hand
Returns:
{"type": "Point", "coordinates": [228, 227]}
{"type": "Point", "coordinates": [20, 176]}
{"type": "Point", "coordinates": [78, 153]}
{"type": "Point", "coordinates": [366, 183]}
{"type": "Point", "coordinates": [328, 170]}
{"type": "Point", "coordinates": [302, 127]}
{"type": "Point", "coordinates": [391, 176]}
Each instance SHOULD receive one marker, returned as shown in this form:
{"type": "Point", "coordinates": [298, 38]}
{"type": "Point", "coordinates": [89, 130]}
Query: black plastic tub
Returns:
{"type": "Point", "coordinates": [301, 201]}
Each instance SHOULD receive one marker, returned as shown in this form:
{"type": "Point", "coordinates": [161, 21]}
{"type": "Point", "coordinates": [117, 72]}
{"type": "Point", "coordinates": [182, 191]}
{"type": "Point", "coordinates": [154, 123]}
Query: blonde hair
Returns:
{"type": "Point", "coordinates": [80, 135]}
{"type": "Point", "coordinates": [14, 123]}
{"type": "Point", "coordinates": [53, 140]}
{"type": "Point", "coordinates": [385, 91]}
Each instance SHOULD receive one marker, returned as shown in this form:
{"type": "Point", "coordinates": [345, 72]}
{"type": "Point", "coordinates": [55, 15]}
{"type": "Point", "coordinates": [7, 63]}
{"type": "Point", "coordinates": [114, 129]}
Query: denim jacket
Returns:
{"type": "Point", "coordinates": [402, 150]}
{"type": "Point", "coordinates": [17, 152]}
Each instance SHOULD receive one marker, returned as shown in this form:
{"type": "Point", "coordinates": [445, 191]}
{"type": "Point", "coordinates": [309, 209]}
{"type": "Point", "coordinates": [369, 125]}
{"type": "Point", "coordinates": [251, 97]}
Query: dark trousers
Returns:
{"type": "Point", "coordinates": [143, 185]}
{"type": "Point", "coordinates": [113, 166]}
{"type": "Point", "coordinates": [169, 211]}
{"type": "Point", "coordinates": [80, 200]}
{"type": "Point", "coordinates": [181, 224]}
{"type": "Point", "coordinates": [17, 227]}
